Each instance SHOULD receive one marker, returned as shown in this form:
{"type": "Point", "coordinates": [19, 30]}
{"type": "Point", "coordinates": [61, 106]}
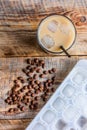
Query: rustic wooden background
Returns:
{"type": "Point", "coordinates": [19, 20]}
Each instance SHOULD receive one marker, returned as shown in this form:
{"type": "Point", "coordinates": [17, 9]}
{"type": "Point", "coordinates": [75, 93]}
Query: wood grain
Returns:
{"type": "Point", "coordinates": [19, 21]}
{"type": "Point", "coordinates": [11, 67]}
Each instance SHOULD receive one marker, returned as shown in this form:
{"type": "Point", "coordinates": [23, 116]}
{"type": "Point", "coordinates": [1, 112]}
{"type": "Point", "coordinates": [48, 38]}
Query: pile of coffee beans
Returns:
{"type": "Point", "coordinates": [38, 85]}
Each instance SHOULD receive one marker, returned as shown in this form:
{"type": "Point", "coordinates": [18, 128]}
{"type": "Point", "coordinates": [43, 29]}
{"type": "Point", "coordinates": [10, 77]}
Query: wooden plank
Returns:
{"type": "Point", "coordinates": [19, 21]}
{"type": "Point", "coordinates": [12, 67]}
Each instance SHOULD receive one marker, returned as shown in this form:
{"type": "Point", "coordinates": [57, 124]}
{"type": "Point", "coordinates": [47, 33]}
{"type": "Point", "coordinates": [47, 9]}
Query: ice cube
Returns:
{"type": "Point", "coordinates": [64, 29]}
{"type": "Point", "coordinates": [58, 104]}
{"type": "Point", "coordinates": [81, 100]}
{"type": "Point", "coordinates": [79, 78]}
{"type": "Point", "coordinates": [70, 113]}
{"type": "Point", "coordinates": [48, 41]}
{"type": "Point", "coordinates": [52, 26]}
{"type": "Point", "coordinates": [82, 121]}
{"type": "Point", "coordinates": [49, 116]}
{"type": "Point", "coordinates": [68, 91]}
{"type": "Point", "coordinates": [39, 126]}
{"type": "Point", "coordinates": [60, 125]}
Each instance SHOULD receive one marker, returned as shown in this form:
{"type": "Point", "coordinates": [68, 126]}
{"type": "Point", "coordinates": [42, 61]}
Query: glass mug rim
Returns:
{"type": "Point", "coordinates": [40, 43]}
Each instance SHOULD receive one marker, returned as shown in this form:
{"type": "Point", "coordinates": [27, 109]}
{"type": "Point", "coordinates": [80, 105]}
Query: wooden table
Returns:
{"type": "Point", "coordinates": [19, 20]}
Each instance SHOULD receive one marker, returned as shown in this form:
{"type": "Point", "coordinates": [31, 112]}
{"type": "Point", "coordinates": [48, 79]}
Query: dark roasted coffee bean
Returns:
{"type": "Point", "coordinates": [16, 81]}
{"type": "Point", "coordinates": [42, 76]}
{"type": "Point", "coordinates": [54, 69]}
{"type": "Point", "coordinates": [22, 108]}
{"type": "Point", "coordinates": [29, 87]}
{"type": "Point", "coordinates": [37, 82]}
{"type": "Point", "coordinates": [28, 67]}
{"type": "Point", "coordinates": [44, 99]}
{"type": "Point", "coordinates": [32, 62]}
{"type": "Point", "coordinates": [28, 93]}
{"type": "Point", "coordinates": [38, 70]}
{"type": "Point", "coordinates": [35, 106]}
{"type": "Point", "coordinates": [22, 81]}
{"type": "Point", "coordinates": [53, 78]}
{"type": "Point", "coordinates": [29, 61]}
{"type": "Point", "coordinates": [19, 78]}
{"type": "Point", "coordinates": [36, 60]}
{"type": "Point", "coordinates": [22, 90]}
{"type": "Point", "coordinates": [11, 110]}
{"type": "Point", "coordinates": [32, 94]}
{"type": "Point", "coordinates": [24, 70]}
{"type": "Point", "coordinates": [52, 89]}
{"type": "Point", "coordinates": [48, 81]}
{"type": "Point", "coordinates": [50, 71]}
{"type": "Point", "coordinates": [31, 70]}
{"type": "Point", "coordinates": [35, 76]}
{"type": "Point", "coordinates": [31, 107]}
{"type": "Point", "coordinates": [25, 87]}
{"type": "Point", "coordinates": [45, 72]}
{"type": "Point", "coordinates": [36, 98]}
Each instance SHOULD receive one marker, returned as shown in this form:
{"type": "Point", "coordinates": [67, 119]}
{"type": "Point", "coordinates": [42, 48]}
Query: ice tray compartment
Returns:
{"type": "Point", "coordinates": [58, 104]}
{"type": "Point", "coordinates": [39, 126]}
{"type": "Point", "coordinates": [48, 116]}
{"type": "Point", "coordinates": [67, 108]}
{"type": "Point", "coordinates": [68, 91]}
{"type": "Point", "coordinates": [79, 77]}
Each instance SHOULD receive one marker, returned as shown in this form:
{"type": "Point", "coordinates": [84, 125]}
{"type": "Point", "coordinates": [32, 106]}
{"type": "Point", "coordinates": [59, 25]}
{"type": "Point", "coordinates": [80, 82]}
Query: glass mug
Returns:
{"type": "Point", "coordinates": [54, 32]}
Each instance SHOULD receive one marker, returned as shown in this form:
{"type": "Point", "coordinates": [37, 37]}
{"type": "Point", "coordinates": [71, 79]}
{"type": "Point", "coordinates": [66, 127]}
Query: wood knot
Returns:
{"type": "Point", "coordinates": [83, 19]}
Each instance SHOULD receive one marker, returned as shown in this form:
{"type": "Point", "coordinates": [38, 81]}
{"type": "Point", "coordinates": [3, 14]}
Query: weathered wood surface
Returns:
{"type": "Point", "coordinates": [11, 67]}
{"type": "Point", "coordinates": [19, 21]}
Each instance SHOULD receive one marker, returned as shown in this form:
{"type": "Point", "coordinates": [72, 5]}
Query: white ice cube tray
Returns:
{"type": "Point", "coordinates": [67, 108]}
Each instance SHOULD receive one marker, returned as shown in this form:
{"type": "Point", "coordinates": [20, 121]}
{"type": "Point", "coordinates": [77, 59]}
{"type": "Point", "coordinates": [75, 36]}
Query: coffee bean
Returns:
{"type": "Point", "coordinates": [22, 108]}
{"type": "Point", "coordinates": [22, 90]}
{"type": "Point", "coordinates": [31, 107]}
{"type": "Point", "coordinates": [54, 69]}
{"type": "Point", "coordinates": [50, 71]}
{"type": "Point", "coordinates": [36, 60]}
{"type": "Point", "coordinates": [43, 66]}
{"type": "Point", "coordinates": [37, 82]}
{"type": "Point", "coordinates": [22, 81]}
{"type": "Point", "coordinates": [10, 103]}
{"type": "Point", "coordinates": [29, 74]}
{"type": "Point", "coordinates": [24, 70]}
{"type": "Point", "coordinates": [25, 87]}
{"type": "Point", "coordinates": [35, 106]}
{"type": "Point", "coordinates": [42, 76]}
{"type": "Point", "coordinates": [29, 61]}
{"type": "Point", "coordinates": [41, 62]}
{"type": "Point", "coordinates": [29, 87]}
{"type": "Point", "coordinates": [44, 99]}
{"type": "Point", "coordinates": [53, 78]}
{"type": "Point", "coordinates": [32, 94]}
{"type": "Point", "coordinates": [20, 78]}
{"type": "Point", "coordinates": [38, 70]}
{"type": "Point", "coordinates": [48, 81]}
{"type": "Point", "coordinates": [11, 110]}
{"type": "Point", "coordinates": [16, 81]}
{"type": "Point", "coordinates": [32, 62]}
{"type": "Point", "coordinates": [28, 93]}
{"type": "Point", "coordinates": [35, 76]}
{"type": "Point", "coordinates": [28, 67]}
{"type": "Point", "coordinates": [37, 98]}
{"type": "Point", "coordinates": [32, 70]}
{"type": "Point", "coordinates": [52, 89]}
{"type": "Point", "coordinates": [45, 72]}
{"type": "Point", "coordinates": [32, 102]}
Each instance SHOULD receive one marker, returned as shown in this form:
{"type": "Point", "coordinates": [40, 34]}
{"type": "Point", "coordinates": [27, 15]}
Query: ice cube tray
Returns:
{"type": "Point", "coordinates": [67, 108]}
